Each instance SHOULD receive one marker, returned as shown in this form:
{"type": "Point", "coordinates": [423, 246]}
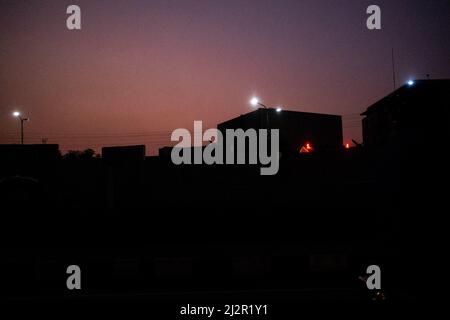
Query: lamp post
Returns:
{"type": "Point", "coordinates": [256, 102]}
{"type": "Point", "coordinates": [19, 116]}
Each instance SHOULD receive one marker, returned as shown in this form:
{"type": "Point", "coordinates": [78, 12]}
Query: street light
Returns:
{"type": "Point", "coordinates": [255, 102]}
{"type": "Point", "coordinates": [18, 116]}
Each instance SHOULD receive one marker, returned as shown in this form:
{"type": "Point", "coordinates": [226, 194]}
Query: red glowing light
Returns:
{"type": "Point", "coordinates": [347, 146]}
{"type": "Point", "coordinates": [306, 148]}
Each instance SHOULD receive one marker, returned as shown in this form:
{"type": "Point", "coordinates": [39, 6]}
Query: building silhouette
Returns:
{"type": "Point", "coordinates": [297, 129]}
{"type": "Point", "coordinates": [415, 114]}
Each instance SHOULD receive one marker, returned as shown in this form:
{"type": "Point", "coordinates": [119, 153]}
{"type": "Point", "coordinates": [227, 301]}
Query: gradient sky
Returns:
{"type": "Point", "coordinates": [139, 69]}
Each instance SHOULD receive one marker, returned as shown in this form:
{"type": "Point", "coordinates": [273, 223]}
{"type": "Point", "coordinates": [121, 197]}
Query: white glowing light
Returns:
{"type": "Point", "coordinates": [254, 101]}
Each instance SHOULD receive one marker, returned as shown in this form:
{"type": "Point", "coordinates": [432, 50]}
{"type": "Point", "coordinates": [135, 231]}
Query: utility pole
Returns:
{"type": "Point", "coordinates": [393, 67]}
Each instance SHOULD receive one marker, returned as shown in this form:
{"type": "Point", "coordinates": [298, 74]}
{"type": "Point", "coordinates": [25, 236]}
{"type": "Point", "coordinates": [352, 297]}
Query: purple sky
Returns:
{"type": "Point", "coordinates": [139, 69]}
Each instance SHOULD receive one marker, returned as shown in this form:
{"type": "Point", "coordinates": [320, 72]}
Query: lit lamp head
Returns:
{"type": "Point", "coordinates": [254, 101]}
{"type": "Point", "coordinates": [16, 114]}
{"type": "Point", "coordinates": [278, 109]}
{"type": "Point", "coordinates": [410, 82]}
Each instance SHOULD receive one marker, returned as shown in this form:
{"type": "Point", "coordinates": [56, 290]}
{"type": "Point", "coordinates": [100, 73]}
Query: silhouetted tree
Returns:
{"type": "Point", "coordinates": [87, 154]}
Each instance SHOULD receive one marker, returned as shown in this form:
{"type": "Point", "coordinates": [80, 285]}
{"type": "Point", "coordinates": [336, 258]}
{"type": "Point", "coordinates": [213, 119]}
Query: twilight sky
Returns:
{"type": "Point", "coordinates": [139, 69]}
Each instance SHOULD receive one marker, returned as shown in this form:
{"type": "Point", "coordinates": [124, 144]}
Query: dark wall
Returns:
{"type": "Point", "coordinates": [322, 131]}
